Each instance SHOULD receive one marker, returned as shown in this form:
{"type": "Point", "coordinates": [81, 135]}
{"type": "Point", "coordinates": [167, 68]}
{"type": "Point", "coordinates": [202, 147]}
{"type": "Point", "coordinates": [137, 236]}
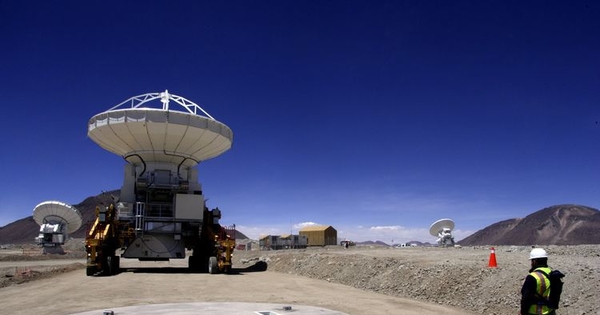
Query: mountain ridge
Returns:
{"type": "Point", "coordinates": [25, 230]}
{"type": "Point", "coordinates": [566, 224]}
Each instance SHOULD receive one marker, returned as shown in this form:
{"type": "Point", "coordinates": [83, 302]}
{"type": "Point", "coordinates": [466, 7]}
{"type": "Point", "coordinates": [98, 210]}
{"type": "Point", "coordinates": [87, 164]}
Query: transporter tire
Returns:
{"type": "Point", "coordinates": [198, 263]}
{"type": "Point", "coordinates": [116, 265]}
{"type": "Point", "coordinates": [90, 271]}
{"type": "Point", "coordinates": [108, 266]}
{"type": "Point", "coordinates": [213, 265]}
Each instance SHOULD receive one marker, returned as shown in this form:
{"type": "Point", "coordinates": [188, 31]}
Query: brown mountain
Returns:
{"type": "Point", "coordinates": [25, 230]}
{"type": "Point", "coordinates": [556, 225]}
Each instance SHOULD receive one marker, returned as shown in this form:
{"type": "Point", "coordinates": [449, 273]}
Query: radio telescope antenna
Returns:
{"type": "Point", "coordinates": [442, 229]}
{"type": "Point", "coordinates": [161, 212]}
{"type": "Point", "coordinates": [57, 220]}
{"type": "Point", "coordinates": [137, 130]}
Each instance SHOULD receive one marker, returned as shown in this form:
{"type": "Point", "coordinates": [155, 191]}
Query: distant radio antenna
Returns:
{"type": "Point", "coordinates": [57, 220]}
{"type": "Point", "coordinates": [442, 229]}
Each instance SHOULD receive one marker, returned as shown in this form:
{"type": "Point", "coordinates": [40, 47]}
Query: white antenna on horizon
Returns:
{"type": "Point", "coordinates": [57, 220]}
{"type": "Point", "coordinates": [442, 229]}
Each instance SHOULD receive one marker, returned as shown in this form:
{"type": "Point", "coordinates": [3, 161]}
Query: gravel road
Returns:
{"type": "Point", "coordinates": [359, 280]}
{"type": "Point", "coordinates": [169, 282]}
{"type": "Point", "coordinates": [458, 277]}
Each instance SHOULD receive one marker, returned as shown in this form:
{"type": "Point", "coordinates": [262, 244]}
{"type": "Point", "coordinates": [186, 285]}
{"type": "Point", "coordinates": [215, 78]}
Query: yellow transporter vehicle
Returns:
{"type": "Point", "coordinates": [161, 211]}
{"type": "Point", "coordinates": [108, 235]}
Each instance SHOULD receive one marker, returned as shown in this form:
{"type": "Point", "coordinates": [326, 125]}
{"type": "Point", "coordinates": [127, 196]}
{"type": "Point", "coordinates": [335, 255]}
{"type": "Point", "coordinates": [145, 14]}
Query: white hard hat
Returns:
{"type": "Point", "coordinates": [538, 253]}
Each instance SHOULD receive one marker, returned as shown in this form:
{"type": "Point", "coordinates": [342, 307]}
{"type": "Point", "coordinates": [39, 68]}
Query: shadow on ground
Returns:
{"type": "Point", "coordinates": [259, 266]}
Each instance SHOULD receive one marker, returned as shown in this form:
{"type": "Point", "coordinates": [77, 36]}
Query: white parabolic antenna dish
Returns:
{"type": "Point", "coordinates": [133, 129]}
{"type": "Point", "coordinates": [439, 225]}
{"type": "Point", "coordinates": [58, 212]}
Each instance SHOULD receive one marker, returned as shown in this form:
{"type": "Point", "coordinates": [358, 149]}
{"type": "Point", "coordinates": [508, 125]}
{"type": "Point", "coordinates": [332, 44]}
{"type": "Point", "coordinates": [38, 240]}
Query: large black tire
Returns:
{"type": "Point", "coordinates": [198, 263]}
{"type": "Point", "coordinates": [213, 265]}
{"type": "Point", "coordinates": [108, 266]}
{"type": "Point", "coordinates": [116, 262]}
{"type": "Point", "coordinates": [91, 271]}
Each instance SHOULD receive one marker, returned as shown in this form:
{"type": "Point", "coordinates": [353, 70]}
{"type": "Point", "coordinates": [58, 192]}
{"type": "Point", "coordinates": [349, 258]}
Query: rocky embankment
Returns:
{"type": "Point", "coordinates": [458, 277]}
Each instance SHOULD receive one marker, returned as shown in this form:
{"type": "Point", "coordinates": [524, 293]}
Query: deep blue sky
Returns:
{"type": "Point", "coordinates": [375, 117]}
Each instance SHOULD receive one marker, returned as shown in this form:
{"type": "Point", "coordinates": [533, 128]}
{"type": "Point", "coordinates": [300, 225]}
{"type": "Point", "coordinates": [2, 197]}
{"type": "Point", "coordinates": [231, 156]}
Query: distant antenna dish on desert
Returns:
{"type": "Point", "coordinates": [442, 229]}
{"type": "Point", "coordinates": [57, 220]}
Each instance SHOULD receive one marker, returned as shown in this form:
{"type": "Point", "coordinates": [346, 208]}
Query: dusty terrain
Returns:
{"type": "Point", "coordinates": [358, 280]}
{"type": "Point", "coordinates": [458, 277]}
{"type": "Point", "coordinates": [59, 291]}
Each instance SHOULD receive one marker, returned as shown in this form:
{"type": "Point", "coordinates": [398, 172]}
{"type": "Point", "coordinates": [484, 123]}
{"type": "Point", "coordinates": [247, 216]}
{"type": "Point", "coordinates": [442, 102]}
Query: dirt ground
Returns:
{"type": "Point", "coordinates": [70, 291]}
{"type": "Point", "coordinates": [457, 277]}
{"type": "Point", "coordinates": [358, 280]}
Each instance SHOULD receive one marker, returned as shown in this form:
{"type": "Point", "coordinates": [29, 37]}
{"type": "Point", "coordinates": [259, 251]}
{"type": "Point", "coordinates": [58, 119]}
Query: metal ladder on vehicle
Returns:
{"type": "Point", "coordinates": [139, 218]}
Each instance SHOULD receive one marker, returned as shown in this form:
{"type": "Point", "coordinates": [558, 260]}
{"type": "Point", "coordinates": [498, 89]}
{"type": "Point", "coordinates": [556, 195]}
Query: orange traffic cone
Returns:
{"type": "Point", "coordinates": [492, 263]}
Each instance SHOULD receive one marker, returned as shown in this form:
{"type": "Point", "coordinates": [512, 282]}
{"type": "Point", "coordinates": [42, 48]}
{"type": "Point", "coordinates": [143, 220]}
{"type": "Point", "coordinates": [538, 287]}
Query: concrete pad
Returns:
{"type": "Point", "coordinates": [214, 308]}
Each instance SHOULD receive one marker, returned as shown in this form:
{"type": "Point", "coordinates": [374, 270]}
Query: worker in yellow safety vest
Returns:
{"type": "Point", "coordinates": [536, 287]}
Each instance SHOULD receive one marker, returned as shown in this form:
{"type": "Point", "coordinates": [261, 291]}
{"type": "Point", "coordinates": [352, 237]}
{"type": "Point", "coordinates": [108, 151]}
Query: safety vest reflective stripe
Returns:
{"type": "Point", "coordinates": [542, 289]}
